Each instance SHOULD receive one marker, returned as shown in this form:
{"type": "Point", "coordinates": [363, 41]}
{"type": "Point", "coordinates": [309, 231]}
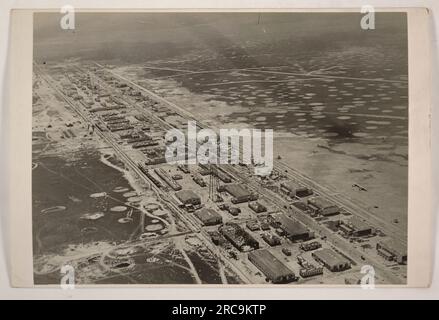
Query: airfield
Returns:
{"type": "Point", "coordinates": [102, 205]}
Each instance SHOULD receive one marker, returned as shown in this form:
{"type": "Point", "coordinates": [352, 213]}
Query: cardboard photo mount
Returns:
{"type": "Point", "coordinates": [18, 133]}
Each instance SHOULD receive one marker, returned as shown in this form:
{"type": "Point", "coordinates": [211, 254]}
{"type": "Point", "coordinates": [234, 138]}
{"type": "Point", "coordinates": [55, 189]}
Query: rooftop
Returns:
{"type": "Point", "coordinates": [236, 190]}
{"type": "Point", "coordinates": [394, 246]}
{"type": "Point", "coordinates": [290, 225]}
{"type": "Point", "coordinates": [291, 185]}
{"type": "Point", "coordinates": [186, 195]}
{"type": "Point", "coordinates": [330, 257]}
{"type": "Point", "coordinates": [269, 264]}
{"type": "Point", "coordinates": [320, 202]}
{"type": "Point", "coordinates": [207, 214]}
{"type": "Point", "coordinates": [358, 224]}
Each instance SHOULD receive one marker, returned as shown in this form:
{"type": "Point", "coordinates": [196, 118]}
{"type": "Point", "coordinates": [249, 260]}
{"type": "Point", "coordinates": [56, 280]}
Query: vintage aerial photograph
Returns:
{"type": "Point", "coordinates": [107, 203]}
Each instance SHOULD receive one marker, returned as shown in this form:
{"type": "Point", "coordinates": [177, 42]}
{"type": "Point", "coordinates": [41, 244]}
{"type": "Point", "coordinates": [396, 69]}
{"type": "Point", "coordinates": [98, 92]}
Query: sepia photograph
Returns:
{"type": "Point", "coordinates": [220, 148]}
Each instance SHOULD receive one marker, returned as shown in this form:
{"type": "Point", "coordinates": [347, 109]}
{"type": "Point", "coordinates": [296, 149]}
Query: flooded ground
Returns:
{"type": "Point", "coordinates": [325, 128]}
{"type": "Point", "coordinates": [75, 215]}
{"type": "Point", "coordinates": [335, 95]}
{"type": "Point", "coordinates": [90, 211]}
{"type": "Point", "coordinates": [70, 185]}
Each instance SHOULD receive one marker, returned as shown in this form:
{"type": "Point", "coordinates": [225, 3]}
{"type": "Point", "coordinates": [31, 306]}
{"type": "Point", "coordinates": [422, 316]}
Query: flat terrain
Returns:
{"type": "Point", "coordinates": [333, 127]}
{"type": "Point", "coordinates": [335, 97]}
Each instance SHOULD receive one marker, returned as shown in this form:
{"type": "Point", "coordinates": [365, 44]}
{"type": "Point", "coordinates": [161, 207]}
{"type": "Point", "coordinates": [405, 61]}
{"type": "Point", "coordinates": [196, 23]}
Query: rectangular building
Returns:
{"type": "Point", "coordinates": [355, 227]}
{"type": "Point", "coordinates": [392, 251]}
{"type": "Point", "coordinates": [331, 260]}
{"type": "Point", "coordinates": [323, 206]}
{"type": "Point", "coordinates": [239, 193]}
{"type": "Point", "coordinates": [209, 217]}
{"type": "Point", "coordinates": [293, 229]}
{"type": "Point", "coordinates": [257, 207]}
{"type": "Point", "coordinates": [309, 246]}
{"type": "Point", "coordinates": [238, 237]}
{"type": "Point", "coordinates": [252, 225]}
{"type": "Point", "coordinates": [188, 197]}
{"type": "Point", "coordinates": [271, 267]}
{"type": "Point", "coordinates": [293, 189]}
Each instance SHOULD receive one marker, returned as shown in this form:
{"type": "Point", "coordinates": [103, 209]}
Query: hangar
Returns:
{"type": "Point", "coordinates": [331, 260]}
{"type": "Point", "coordinates": [271, 266]}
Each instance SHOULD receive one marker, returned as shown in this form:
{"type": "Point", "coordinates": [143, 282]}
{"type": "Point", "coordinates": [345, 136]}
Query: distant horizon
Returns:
{"type": "Point", "coordinates": [120, 100]}
{"type": "Point", "coordinates": [137, 37]}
